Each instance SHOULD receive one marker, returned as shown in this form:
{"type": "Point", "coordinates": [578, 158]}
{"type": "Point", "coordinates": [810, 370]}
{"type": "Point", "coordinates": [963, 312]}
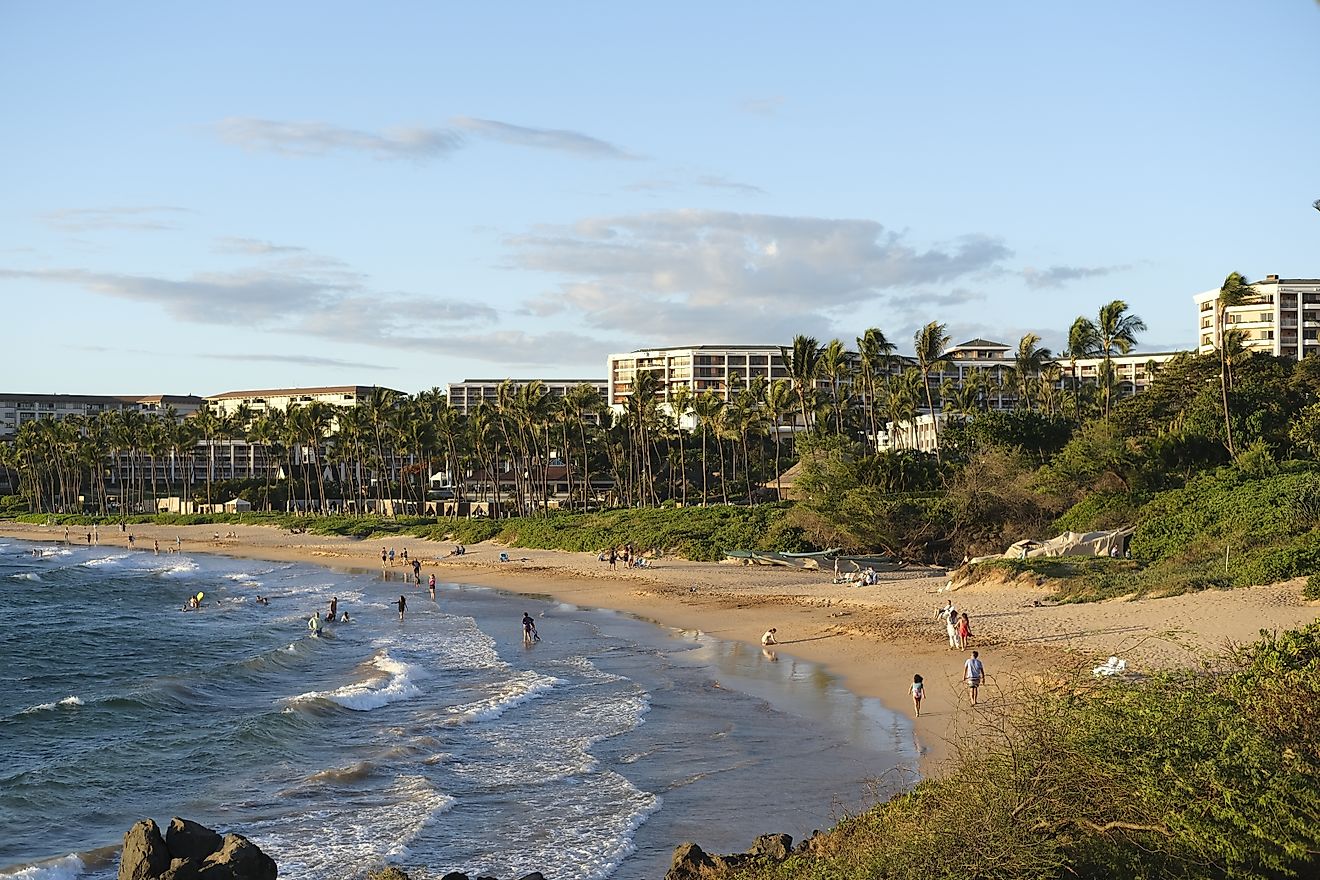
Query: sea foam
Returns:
{"type": "Point", "coordinates": [396, 684]}
{"type": "Point", "coordinates": [63, 868]}
{"type": "Point", "coordinates": [516, 691]}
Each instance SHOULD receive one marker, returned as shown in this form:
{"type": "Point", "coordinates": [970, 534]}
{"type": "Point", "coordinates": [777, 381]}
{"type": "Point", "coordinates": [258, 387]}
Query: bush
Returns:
{"type": "Point", "coordinates": [1312, 588]}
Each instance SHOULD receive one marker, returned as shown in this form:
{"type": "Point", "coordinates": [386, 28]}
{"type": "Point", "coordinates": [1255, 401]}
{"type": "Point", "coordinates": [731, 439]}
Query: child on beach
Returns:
{"type": "Point", "coordinates": [964, 631]}
{"type": "Point", "coordinates": [918, 690]}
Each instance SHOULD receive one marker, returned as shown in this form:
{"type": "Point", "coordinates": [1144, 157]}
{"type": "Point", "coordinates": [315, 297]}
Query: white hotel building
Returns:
{"type": "Point", "coordinates": [1282, 319]}
{"type": "Point", "coordinates": [465, 396]}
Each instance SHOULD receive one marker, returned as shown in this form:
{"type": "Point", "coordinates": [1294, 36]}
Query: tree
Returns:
{"type": "Point", "coordinates": [875, 355]}
{"type": "Point", "coordinates": [803, 364]}
{"type": "Point", "coordinates": [1083, 342]}
{"type": "Point", "coordinates": [779, 405]}
{"type": "Point", "coordinates": [1233, 292]}
{"type": "Point", "coordinates": [930, 343]}
{"type": "Point", "coordinates": [1117, 332]}
{"type": "Point", "coordinates": [835, 366]}
{"type": "Point", "coordinates": [1029, 361]}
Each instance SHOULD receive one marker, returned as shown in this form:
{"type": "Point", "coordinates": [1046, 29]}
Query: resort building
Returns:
{"type": "Point", "coordinates": [465, 396]}
{"type": "Point", "coordinates": [258, 402]}
{"type": "Point", "coordinates": [18, 409]}
{"type": "Point", "coordinates": [1282, 319]}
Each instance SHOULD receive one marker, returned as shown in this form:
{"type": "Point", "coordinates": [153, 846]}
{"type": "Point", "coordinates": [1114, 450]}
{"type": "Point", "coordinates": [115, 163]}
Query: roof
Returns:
{"type": "Point", "coordinates": [529, 381]}
{"type": "Point", "coordinates": [100, 398]}
{"type": "Point", "coordinates": [291, 392]}
{"type": "Point", "coordinates": [982, 343]}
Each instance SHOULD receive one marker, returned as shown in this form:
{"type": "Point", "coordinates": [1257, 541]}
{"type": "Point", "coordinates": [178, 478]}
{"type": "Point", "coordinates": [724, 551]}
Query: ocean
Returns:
{"type": "Point", "coordinates": [438, 743]}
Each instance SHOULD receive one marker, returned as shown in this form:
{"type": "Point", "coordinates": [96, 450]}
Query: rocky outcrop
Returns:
{"type": "Point", "coordinates": [691, 862]}
{"type": "Point", "coordinates": [190, 851]}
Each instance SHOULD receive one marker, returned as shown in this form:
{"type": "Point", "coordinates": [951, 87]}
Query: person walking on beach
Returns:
{"type": "Point", "coordinates": [383, 557]}
{"type": "Point", "coordinates": [964, 630]}
{"type": "Point", "coordinates": [918, 690]}
{"type": "Point", "coordinates": [403, 605]}
{"type": "Point", "coordinates": [769, 637]}
{"type": "Point", "coordinates": [391, 556]}
{"type": "Point", "coordinates": [614, 559]}
{"type": "Point", "coordinates": [405, 555]}
{"type": "Point", "coordinates": [973, 673]}
{"type": "Point", "coordinates": [529, 629]}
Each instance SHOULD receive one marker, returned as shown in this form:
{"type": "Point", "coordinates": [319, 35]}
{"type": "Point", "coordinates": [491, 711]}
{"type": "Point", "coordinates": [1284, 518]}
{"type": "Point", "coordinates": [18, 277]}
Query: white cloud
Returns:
{"type": "Point", "coordinates": [136, 217]}
{"type": "Point", "coordinates": [682, 275]}
{"type": "Point", "coordinates": [542, 138]}
{"type": "Point", "coordinates": [320, 138]}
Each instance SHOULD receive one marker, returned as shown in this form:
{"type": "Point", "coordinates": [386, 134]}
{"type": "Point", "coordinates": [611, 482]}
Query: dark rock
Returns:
{"type": "Point", "coordinates": [772, 846]}
{"type": "Point", "coordinates": [454, 875]}
{"type": "Point", "coordinates": [389, 872]}
{"type": "Point", "coordinates": [191, 841]}
{"type": "Point", "coordinates": [484, 877]}
{"type": "Point", "coordinates": [238, 859]}
{"type": "Point", "coordinates": [535, 875]}
{"type": "Point", "coordinates": [182, 869]}
{"type": "Point", "coordinates": [145, 856]}
{"type": "Point", "coordinates": [690, 862]}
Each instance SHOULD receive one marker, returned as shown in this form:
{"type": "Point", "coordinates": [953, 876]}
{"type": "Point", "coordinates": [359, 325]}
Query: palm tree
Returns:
{"type": "Point", "coordinates": [802, 362]}
{"type": "Point", "coordinates": [1029, 361]}
{"type": "Point", "coordinates": [779, 405]}
{"type": "Point", "coordinates": [875, 355]}
{"type": "Point", "coordinates": [1117, 332]}
{"type": "Point", "coordinates": [1083, 342]}
{"type": "Point", "coordinates": [707, 408]}
{"type": "Point", "coordinates": [1233, 292]}
{"type": "Point", "coordinates": [680, 404]}
{"type": "Point", "coordinates": [834, 366]}
{"type": "Point", "coordinates": [930, 343]}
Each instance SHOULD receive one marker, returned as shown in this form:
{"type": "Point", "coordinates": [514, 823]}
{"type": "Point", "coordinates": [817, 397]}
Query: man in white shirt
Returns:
{"type": "Point", "coordinates": [974, 674]}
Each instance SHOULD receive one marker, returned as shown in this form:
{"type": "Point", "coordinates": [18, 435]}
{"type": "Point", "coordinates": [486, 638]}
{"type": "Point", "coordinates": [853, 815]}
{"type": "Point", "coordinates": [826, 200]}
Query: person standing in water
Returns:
{"type": "Point", "coordinates": [529, 629]}
{"type": "Point", "coordinates": [417, 570]}
{"type": "Point", "coordinates": [431, 586]}
{"type": "Point", "coordinates": [403, 605]}
{"type": "Point", "coordinates": [314, 624]}
{"type": "Point", "coordinates": [334, 608]}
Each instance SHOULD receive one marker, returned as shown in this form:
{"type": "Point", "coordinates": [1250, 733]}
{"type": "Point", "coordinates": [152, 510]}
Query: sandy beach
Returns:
{"type": "Point", "coordinates": [874, 638]}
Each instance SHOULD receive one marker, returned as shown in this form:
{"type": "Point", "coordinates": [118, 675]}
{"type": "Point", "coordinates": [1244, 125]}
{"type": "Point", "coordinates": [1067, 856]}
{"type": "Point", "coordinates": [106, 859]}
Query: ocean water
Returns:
{"type": "Point", "coordinates": [439, 743]}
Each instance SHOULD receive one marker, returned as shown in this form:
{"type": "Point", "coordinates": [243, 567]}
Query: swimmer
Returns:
{"type": "Point", "coordinates": [343, 618]}
{"type": "Point", "coordinates": [262, 600]}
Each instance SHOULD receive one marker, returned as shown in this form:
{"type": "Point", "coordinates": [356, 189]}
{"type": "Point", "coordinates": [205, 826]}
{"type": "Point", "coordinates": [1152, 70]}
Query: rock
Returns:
{"type": "Point", "coordinates": [454, 875]}
{"type": "Point", "coordinates": [182, 869]}
{"type": "Point", "coordinates": [145, 856]}
{"type": "Point", "coordinates": [389, 872]}
{"type": "Point", "coordinates": [535, 875]}
{"type": "Point", "coordinates": [689, 863]}
{"type": "Point", "coordinates": [191, 841]}
{"type": "Point", "coordinates": [772, 846]}
{"type": "Point", "coordinates": [238, 859]}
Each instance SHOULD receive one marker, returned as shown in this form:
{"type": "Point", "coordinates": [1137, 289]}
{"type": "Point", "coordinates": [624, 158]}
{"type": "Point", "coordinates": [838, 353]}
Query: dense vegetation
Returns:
{"type": "Point", "coordinates": [1184, 775]}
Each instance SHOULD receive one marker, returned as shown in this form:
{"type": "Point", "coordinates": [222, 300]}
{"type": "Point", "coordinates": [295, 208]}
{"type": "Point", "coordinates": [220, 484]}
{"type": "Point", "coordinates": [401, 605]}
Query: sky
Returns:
{"type": "Point", "coordinates": [197, 198]}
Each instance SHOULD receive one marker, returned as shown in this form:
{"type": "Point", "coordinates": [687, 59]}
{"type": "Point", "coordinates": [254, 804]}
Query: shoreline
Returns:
{"type": "Point", "coordinates": [873, 639]}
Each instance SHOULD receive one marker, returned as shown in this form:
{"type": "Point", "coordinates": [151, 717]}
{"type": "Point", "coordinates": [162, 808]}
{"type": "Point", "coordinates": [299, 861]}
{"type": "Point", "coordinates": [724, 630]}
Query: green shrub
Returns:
{"type": "Point", "coordinates": [1312, 588]}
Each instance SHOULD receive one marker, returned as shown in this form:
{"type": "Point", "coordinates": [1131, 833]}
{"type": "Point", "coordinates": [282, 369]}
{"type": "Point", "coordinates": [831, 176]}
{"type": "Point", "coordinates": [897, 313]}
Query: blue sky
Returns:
{"type": "Point", "coordinates": [201, 198]}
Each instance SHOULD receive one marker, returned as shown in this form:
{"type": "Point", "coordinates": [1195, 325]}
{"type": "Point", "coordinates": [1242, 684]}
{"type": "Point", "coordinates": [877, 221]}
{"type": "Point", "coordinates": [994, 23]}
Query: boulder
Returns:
{"type": "Point", "coordinates": [776, 847]}
{"type": "Point", "coordinates": [690, 862]}
{"type": "Point", "coordinates": [190, 841]}
{"type": "Point", "coordinates": [238, 859]}
{"type": "Point", "coordinates": [182, 869]}
{"type": "Point", "coordinates": [145, 856]}
{"type": "Point", "coordinates": [390, 872]}
{"type": "Point", "coordinates": [535, 875]}
{"type": "Point", "coordinates": [455, 875]}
